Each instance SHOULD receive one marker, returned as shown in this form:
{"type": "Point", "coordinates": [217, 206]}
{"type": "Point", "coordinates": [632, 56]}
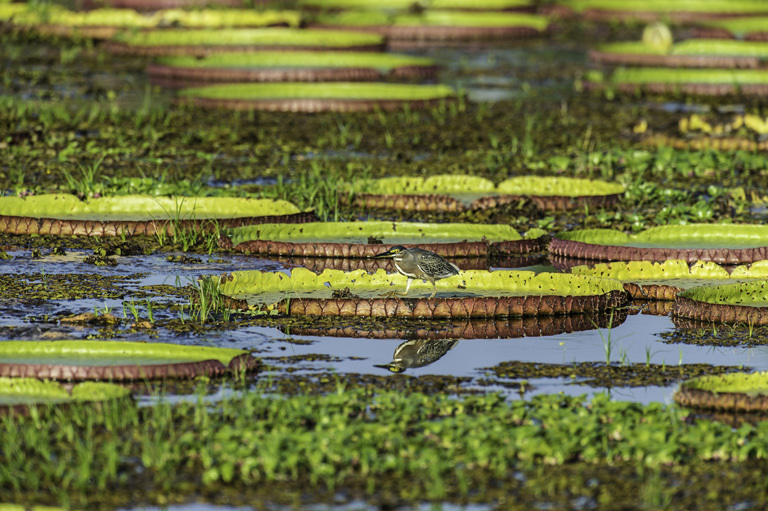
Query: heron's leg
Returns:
{"type": "Point", "coordinates": [434, 287]}
{"type": "Point", "coordinates": [392, 294]}
{"type": "Point", "coordinates": [408, 285]}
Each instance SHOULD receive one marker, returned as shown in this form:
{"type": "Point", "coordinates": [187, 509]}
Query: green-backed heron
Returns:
{"type": "Point", "coordinates": [417, 263]}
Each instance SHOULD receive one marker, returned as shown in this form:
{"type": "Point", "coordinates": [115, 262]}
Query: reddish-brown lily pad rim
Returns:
{"type": "Point", "coordinates": [360, 250]}
{"type": "Point", "coordinates": [437, 308]}
{"type": "Point", "coordinates": [650, 59]}
{"type": "Point", "coordinates": [180, 77]}
{"type": "Point", "coordinates": [59, 227]}
{"type": "Point", "coordinates": [720, 313]}
{"type": "Point", "coordinates": [313, 105]}
{"type": "Point", "coordinates": [493, 328]}
{"type": "Point", "coordinates": [597, 252]}
{"type": "Point", "coordinates": [656, 292]}
{"type": "Point", "coordinates": [446, 203]}
{"type": "Point", "coordinates": [726, 401]}
{"type": "Point", "coordinates": [185, 370]}
{"type": "Point", "coordinates": [119, 48]}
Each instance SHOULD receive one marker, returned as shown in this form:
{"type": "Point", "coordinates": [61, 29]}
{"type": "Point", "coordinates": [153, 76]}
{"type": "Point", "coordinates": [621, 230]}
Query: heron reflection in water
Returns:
{"type": "Point", "coordinates": [418, 353]}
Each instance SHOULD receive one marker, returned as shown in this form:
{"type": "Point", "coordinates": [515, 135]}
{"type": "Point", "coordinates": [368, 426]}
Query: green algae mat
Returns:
{"type": "Point", "coordinates": [472, 293]}
{"type": "Point", "coordinates": [18, 393]}
{"type": "Point", "coordinates": [295, 66]}
{"type": "Point", "coordinates": [318, 97]}
{"type": "Point", "coordinates": [116, 360]}
{"type": "Point", "coordinates": [62, 214]}
{"type": "Point", "coordinates": [367, 239]}
{"type": "Point", "coordinates": [202, 42]}
{"type": "Point", "coordinates": [455, 192]}
{"type": "Point", "coordinates": [648, 280]}
{"type": "Point", "coordinates": [734, 392]}
{"type": "Point", "coordinates": [719, 243]}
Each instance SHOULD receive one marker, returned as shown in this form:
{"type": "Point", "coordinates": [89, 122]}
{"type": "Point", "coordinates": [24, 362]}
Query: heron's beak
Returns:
{"type": "Point", "coordinates": [383, 255]}
{"type": "Point", "coordinates": [391, 367]}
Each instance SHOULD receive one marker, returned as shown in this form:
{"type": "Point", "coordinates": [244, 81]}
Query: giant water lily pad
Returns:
{"type": "Point", "coordinates": [206, 42]}
{"type": "Point", "coordinates": [460, 192]}
{"type": "Point", "coordinates": [366, 239]}
{"type": "Point", "coordinates": [19, 393]}
{"type": "Point", "coordinates": [405, 5]}
{"type": "Point", "coordinates": [745, 303]}
{"type": "Point", "coordinates": [752, 28]}
{"type": "Point", "coordinates": [720, 243]}
{"type": "Point", "coordinates": [716, 53]}
{"type": "Point", "coordinates": [647, 280]}
{"type": "Point", "coordinates": [707, 82]}
{"type": "Point", "coordinates": [471, 294]}
{"type": "Point", "coordinates": [734, 392]}
{"type": "Point", "coordinates": [438, 25]}
{"type": "Point", "coordinates": [116, 360]}
{"type": "Point", "coordinates": [177, 72]}
{"type": "Point", "coordinates": [103, 23]}
{"type": "Point", "coordinates": [62, 214]}
{"type": "Point", "coordinates": [681, 11]}
{"type": "Point", "coordinates": [318, 97]}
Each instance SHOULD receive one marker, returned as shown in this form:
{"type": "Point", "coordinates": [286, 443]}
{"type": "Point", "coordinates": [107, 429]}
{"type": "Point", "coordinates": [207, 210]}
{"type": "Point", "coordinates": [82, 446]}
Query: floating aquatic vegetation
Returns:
{"type": "Point", "coordinates": [318, 97]}
{"type": "Point", "coordinates": [21, 393]}
{"type": "Point", "coordinates": [117, 360]}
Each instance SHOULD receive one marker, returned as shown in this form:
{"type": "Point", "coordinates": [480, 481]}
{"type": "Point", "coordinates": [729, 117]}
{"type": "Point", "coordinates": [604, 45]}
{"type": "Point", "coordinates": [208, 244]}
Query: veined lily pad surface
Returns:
{"type": "Point", "coordinates": [116, 360]}
{"type": "Point", "coordinates": [720, 243]}
{"type": "Point", "coordinates": [288, 66]}
{"type": "Point", "coordinates": [19, 392]}
{"type": "Point", "coordinates": [663, 280]}
{"type": "Point", "coordinates": [366, 239]}
{"type": "Point", "coordinates": [135, 214]}
{"type": "Point", "coordinates": [205, 42]}
{"type": "Point", "coordinates": [733, 392]}
{"type": "Point", "coordinates": [471, 294]}
{"type": "Point", "coordinates": [318, 97]}
{"type": "Point", "coordinates": [745, 303]}
{"type": "Point", "coordinates": [458, 193]}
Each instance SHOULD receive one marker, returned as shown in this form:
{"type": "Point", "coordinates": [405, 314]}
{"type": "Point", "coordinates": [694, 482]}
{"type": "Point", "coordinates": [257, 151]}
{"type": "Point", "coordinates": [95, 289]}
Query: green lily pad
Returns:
{"type": "Point", "coordinates": [261, 37]}
{"type": "Point", "coordinates": [715, 47]}
{"type": "Point", "coordinates": [459, 192]}
{"type": "Point", "coordinates": [320, 91]}
{"type": "Point", "coordinates": [435, 19]}
{"type": "Point", "coordinates": [721, 243]}
{"type": "Point", "coordinates": [393, 233]}
{"type": "Point", "coordinates": [141, 207]}
{"type": "Point", "coordinates": [16, 392]}
{"type": "Point", "coordinates": [680, 76]}
{"type": "Point", "coordinates": [270, 287]}
{"type": "Point", "coordinates": [563, 186]}
{"type": "Point", "coordinates": [663, 280]}
{"type": "Point", "coordinates": [741, 26]}
{"type": "Point", "coordinates": [733, 392]}
{"type": "Point", "coordinates": [750, 294]}
{"type": "Point", "coordinates": [116, 360]}
{"type": "Point", "coordinates": [664, 6]}
{"type": "Point", "coordinates": [407, 4]}
{"type": "Point", "coordinates": [384, 62]}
